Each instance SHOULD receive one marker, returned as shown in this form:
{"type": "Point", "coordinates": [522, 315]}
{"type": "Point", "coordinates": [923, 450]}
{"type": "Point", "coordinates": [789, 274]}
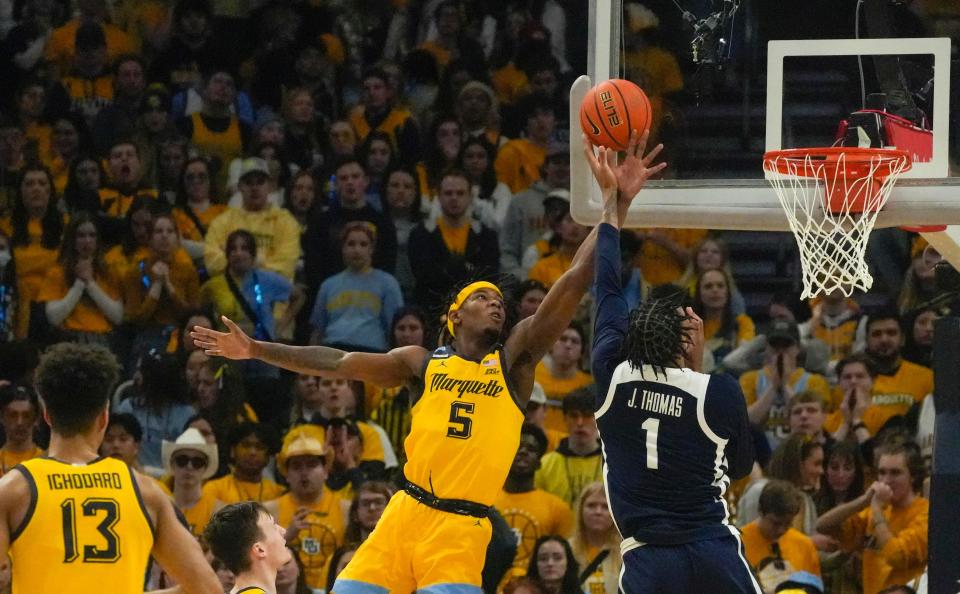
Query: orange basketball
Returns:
{"type": "Point", "coordinates": [611, 110]}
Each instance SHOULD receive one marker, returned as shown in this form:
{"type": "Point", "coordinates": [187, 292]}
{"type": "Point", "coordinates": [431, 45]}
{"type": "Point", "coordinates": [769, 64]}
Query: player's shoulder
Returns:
{"type": "Point", "coordinates": [16, 487]}
{"type": "Point", "coordinates": [151, 497]}
{"type": "Point", "coordinates": [723, 393]}
{"type": "Point", "coordinates": [722, 385]}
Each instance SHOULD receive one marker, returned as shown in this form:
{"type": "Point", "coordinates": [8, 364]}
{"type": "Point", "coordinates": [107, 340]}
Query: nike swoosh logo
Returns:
{"type": "Point", "coordinates": [596, 130]}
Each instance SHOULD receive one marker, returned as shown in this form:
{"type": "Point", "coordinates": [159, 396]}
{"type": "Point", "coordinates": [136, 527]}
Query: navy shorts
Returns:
{"type": "Point", "coordinates": [717, 565]}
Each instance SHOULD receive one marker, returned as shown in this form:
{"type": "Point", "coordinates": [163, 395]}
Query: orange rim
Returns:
{"type": "Point", "coordinates": [924, 228]}
{"type": "Point", "coordinates": [854, 157]}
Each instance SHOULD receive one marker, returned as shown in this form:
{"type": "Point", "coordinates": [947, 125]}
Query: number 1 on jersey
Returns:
{"type": "Point", "coordinates": [651, 426]}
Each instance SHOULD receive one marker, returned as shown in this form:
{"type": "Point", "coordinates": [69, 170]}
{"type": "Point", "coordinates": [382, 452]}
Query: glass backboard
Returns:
{"type": "Point", "coordinates": [757, 76]}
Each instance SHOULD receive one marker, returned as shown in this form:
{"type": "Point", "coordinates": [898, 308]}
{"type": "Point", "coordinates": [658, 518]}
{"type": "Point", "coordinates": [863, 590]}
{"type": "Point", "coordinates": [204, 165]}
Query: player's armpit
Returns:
{"type": "Point", "coordinates": [177, 551]}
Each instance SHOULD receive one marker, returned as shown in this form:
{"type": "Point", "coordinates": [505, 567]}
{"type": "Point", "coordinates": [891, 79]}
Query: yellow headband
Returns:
{"type": "Point", "coordinates": [466, 292]}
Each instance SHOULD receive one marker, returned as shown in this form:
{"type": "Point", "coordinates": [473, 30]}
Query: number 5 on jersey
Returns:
{"type": "Point", "coordinates": [460, 424]}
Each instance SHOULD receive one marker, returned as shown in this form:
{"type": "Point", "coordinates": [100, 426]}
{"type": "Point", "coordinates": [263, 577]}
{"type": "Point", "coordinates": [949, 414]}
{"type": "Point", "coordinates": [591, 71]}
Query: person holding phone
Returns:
{"type": "Point", "coordinates": [768, 390]}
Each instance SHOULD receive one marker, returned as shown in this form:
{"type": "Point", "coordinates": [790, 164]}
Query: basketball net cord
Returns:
{"type": "Point", "coordinates": [832, 233]}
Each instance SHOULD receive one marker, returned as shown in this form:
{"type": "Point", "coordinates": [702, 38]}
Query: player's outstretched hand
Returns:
{"type": "Point", "coordinates": [234, 344]}
{"type": "Point", "coordinates": [635, 169]}
{"type": "Point", "coordinates": [602, 162]}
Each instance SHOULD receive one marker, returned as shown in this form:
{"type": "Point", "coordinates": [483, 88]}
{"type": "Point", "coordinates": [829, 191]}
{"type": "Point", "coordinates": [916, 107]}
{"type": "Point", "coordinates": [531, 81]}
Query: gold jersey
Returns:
{"type": "Point", "coordinates": [317, 543]}
{"type": "Point", "coordinates": [86, 527]}
{"type": "Point", "coordinates": [465, 428]}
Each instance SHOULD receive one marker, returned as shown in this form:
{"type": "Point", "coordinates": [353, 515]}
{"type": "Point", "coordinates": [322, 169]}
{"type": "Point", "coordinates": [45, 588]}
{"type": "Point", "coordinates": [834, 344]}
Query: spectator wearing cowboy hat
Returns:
{"type": "Point", "coordinates": [190, 460]}
{"type": "Point", "coordinates": [310, 512]}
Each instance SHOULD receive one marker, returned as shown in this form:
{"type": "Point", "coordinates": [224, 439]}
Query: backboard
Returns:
{"type": "Point", "coordinates": [792, 75]}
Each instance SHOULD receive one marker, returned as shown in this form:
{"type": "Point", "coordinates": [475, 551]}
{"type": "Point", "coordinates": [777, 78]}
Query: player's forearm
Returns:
{"type": "Point", "coordinates": [582, 266]}
{"type": "Point", "coordinates": [611, 212]}
{"type": "Point", "coordinates": [316, 360]}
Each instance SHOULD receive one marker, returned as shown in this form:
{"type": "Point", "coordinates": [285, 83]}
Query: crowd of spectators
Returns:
{"type": "Point", "coordinates": [327, 172]}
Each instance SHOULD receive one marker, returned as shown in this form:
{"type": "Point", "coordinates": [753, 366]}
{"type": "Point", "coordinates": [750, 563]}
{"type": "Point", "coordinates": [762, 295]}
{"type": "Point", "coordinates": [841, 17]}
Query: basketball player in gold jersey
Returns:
{"type": "Point", "coordinates": [73, 521]}
{"type": "Point", "coordinates": [466, 422]}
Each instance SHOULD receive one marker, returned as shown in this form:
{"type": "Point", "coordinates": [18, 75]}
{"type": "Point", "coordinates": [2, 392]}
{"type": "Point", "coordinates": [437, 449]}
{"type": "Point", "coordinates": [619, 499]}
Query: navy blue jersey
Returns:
{"type": "Point", "coordinates": [670, 443]}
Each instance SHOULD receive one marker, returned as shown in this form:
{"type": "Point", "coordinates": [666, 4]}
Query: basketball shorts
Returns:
{"type": "Point", "coordinates": [417, 548]}
{"type": "Point", "coordinates": [716, 565]}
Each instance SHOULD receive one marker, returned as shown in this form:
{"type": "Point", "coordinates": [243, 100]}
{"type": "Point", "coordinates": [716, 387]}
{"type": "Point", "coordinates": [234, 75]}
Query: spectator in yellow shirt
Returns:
{"type": "Point", "coordinates": [723, 330]}
{"type": "Point", "coordinates": [160, 288]}
{"type": "Point", "coordinates": [851, 398]}
{"type": "Point", "coordinates": [189, 461]}
{"type": "Point", "coordinates": [769, 390]}
{"type": "Point", "coordinates": [536, 414]}
{"type": "Point", "coordinates": [80, 295]}
{"type": "Point", "coordinates": [577, 461]}
{"type": "Point", "coordinates": [13, 156]}
{"type": "Point", "coordinates": [451, 43]}
{"type": "Point", "coordinates": [31, 102]}
{"type": "Point", "coordinates": [366, 509]}
{"type": "Point", "coordinates": [60, 46]}
{"type": "Point", "coordinates": [276, 231]}
{"type": "Point", "coordinates": [567, 237]}
{"type": "Point", "coordinates": [35, 229]}
{"type": "Point", "coordinates": [196, 208]}
{"type": "Point", "coordinates": [834, 321]}
{"type": "Point", "coordinates": [531, 512]}
{"type": "Point", "coordinates": [888, 523]}
{"type": "Point", "coordinates": [899, 384]}
{"type": "Point", "coordinates": [125, 169]}
{"type": "Point", "coordinates": [653, 68]}
{"type": "Point", "coordinates": [596, 542]}
{"type": "Point", "coordinates": [309, 511]}
{"type": "Point", "coordinates": [519, 161]}
{"type": "Point", "coordinates": [666, 253]}
{"type": "Point", "coordinates": [711, 253]}
{"type": "Point", "coordinates": [772, 546]}
{"type": "Point", "coordinates": [135, 238]}
{"type": "Point", "coordinates": [21, 411]}
{"type": "Point", "coordinates": [251, 447]}
{"type": "Point", "coordinates": [559, 373]}
{"type": "Point", "coordinates": [89, 85]}
{"type": "Point", "coordinates": [379, 111]}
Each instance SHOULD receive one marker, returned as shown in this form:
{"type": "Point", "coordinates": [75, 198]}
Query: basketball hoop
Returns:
{"type": "Point", "coordinates": [831, 197]}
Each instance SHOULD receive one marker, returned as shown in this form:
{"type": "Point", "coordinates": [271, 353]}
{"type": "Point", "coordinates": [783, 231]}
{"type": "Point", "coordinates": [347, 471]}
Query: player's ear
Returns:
{"type": "Point", "coordinates": [46, 415]}
{"type": "Point", "coordinates": [103, 419]}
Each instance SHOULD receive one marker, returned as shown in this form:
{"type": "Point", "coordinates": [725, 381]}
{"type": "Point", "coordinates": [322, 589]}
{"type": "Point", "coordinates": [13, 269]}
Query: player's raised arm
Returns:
{"type": "Point", "coordinates": [619, 183]}
{"type": "Point", "coordinates": [177, 551]}
{"type": "Point", "coordinates": [383, 369]}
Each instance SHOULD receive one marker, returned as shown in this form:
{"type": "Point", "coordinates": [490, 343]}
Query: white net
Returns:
{"type": "Point", "coordinates": [832, 198]}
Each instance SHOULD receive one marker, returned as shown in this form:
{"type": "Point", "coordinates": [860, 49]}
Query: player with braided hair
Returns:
{"type": "Point", "coordinates": [690, 429]}
{"type": "Point", "coordinates": [657, 335]}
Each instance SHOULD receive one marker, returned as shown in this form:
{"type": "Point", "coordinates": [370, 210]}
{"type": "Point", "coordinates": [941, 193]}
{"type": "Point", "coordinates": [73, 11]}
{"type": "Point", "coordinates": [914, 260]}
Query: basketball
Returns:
{"type": "Point", "coordinates": [613, 108]}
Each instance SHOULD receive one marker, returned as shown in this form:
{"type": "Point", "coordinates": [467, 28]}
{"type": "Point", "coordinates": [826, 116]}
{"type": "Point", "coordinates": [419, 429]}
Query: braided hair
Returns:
{"type": "Point", "coordinates": [655, 335]}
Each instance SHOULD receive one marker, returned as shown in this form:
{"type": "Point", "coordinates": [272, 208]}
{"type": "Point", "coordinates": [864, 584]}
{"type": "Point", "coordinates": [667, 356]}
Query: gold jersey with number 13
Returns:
{"type": "Point", "coordinates": [465, 428]}
{"type": "Point", "coordinates": [86, 530]}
